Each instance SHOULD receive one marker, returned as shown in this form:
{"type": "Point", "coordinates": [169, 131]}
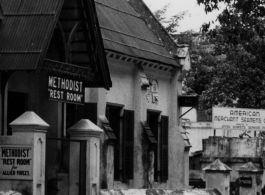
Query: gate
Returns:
{"type": "Point", "coordinates": [82, 162]}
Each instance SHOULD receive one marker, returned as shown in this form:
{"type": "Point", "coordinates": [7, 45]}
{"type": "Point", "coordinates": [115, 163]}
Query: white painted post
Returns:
{"type": "Point", "coordinates": [217, 175]}
{"type": "Point", "coordinates": [248, 174]}
{"type": "Point", "coordinates": [88, 131]}
{"type": "Point", "coordinates": [22, 164]}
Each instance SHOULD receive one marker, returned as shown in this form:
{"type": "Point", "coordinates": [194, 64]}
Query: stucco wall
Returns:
{"type": "Point", "coordinates": [122, 91]}
{"type": "Point", "coordinates": [234, 152]}
{"type": "Point", "coordinates": [163, 79]}
{"type": "Point", "coordinates": [233, 147]}
{"type": "Point", "coordinates": [127, 91]}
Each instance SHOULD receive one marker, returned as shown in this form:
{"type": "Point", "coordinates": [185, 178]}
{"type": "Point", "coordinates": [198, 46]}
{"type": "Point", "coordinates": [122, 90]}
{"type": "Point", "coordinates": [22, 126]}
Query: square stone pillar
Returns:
{"type": "Point", "coordinates": [217, 175]}
{"type": "Point", "coordinates": [90, 133]}
{"type": "Point", "coordinates": [248, 175]}
{"type": "Point", "coordinates": [22, 164]}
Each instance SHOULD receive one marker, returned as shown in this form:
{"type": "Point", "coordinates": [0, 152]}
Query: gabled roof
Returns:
{"type": "Point", "coordinates": [124, 31]}
{"type": "Point", "coordinates": [27, 29]}
{"type": "Point", "coordinates": [25, 32]}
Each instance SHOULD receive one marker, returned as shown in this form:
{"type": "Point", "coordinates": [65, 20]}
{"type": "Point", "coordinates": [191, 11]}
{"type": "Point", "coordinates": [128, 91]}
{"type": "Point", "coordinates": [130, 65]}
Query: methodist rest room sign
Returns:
{"type": "Point", "coordinates": [65, 90]}
{"type": "Point", "coordinates": [16, 162]}
{"type": "Point", "coordinates": [238, 119]}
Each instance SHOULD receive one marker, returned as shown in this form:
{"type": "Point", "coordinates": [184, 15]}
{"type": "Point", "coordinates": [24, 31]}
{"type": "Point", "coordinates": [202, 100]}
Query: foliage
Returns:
{"type": "Point", "coordinates": [235, 81]}
{"type": "Point", "coordinates": [238, 79]}
{"type": "Point", "coordinates": [241, 21]}
{"type": "Point", "coordinates": [172, 23]}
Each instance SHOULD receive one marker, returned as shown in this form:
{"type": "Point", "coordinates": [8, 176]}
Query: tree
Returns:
{"type": "Point", "coordinates": [241, 21]}
{"type": "Point", "coordinates": [172, 23]}
{"type": "Point", "coordinates": [238, 79]}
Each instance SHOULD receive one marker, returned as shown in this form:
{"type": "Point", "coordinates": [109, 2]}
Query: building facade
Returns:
{"type": "Point", "coordinates": [141, 108]}
{"type": "Point", "coordinates": [61, 70]}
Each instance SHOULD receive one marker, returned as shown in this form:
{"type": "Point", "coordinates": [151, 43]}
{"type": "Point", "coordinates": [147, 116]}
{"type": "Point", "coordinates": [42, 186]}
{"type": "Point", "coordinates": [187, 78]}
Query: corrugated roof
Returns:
{"type": "Point", "coordinates": [124, 31]}
{"type": "Point", "coordinates": [25, 32]}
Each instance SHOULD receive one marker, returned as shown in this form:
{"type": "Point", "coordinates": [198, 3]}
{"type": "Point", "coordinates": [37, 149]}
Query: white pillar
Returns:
{"type": "Point", "coordinates": [88, 131]}
{"type": "Point", "coordinates": [217, 175]}
{"type": "Point", "coordinates": [26, 149]}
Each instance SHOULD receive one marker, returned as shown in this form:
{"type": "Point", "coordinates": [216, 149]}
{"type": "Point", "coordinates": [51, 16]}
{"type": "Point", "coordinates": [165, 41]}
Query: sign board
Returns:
{"type": "Point", "coordinates": [188, 100]}
{"type": "Point", "coordinates": [238, 119]}
{"type": "Point", "coordinates": [16, 162]}
{"type": "Point", "coordinates": [65, 90]}
{"type": "Point", "coordinates": [246, 182]}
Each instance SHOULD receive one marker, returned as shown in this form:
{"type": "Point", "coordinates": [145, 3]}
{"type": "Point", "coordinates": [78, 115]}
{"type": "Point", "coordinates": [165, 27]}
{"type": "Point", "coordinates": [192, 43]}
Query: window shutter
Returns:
{"type": "Point", "coordinates": [92, 112]}
{"type": "Point", "coordinates": [128, 150]}
{"type": "Point", "coordinates": [149, 134]}
{"type": "Point", "coordinates": [164, 148]}
{"type": "Point", "coordinates": [108, 130]}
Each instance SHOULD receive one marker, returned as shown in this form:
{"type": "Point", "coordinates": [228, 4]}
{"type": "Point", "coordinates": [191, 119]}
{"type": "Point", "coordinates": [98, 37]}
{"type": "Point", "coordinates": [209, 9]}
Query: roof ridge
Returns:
{"type": "Point", "coordinates": [137, 16]}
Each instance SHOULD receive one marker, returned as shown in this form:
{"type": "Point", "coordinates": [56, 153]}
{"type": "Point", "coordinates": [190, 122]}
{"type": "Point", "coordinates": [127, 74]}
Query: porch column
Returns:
{"type": "Point", "coordinates": [90, 133]}
{"type": "Point", "coordinates": [22, 165]}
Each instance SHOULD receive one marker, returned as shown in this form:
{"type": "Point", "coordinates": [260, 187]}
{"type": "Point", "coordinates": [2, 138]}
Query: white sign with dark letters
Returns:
{"type": "Point", "coordinates": [238, 119]}
{"type": "Point", "coordinates": [65, 90]}
{"type": "Point", "coordinates": [16, 162]}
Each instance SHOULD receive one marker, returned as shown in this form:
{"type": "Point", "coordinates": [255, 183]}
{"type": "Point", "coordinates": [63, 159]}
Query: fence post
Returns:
{"type": "Point", "coordinates": [217, 175]}
{"type": "Point", "coordinates": [22, 164]}
{"type": "Point", "coordinates": [90, 133]}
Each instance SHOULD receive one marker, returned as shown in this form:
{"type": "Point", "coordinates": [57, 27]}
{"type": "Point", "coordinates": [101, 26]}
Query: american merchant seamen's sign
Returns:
{"type": "Point", "coordinates": [16, 162]}
{"type": "Point", "coordinates": [238, 119]}
{"type": "Point", "coordinates": [65, 90]}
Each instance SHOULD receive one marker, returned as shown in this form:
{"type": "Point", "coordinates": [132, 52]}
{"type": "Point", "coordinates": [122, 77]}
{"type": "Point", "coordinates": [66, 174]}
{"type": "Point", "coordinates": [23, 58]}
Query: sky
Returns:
{"type": "Point", "coordinates": [195, 17]}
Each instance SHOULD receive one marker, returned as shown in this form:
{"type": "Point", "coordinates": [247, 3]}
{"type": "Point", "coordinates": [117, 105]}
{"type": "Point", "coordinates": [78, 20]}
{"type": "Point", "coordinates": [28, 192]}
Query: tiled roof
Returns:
{"type": "Point", "coordinates": [124, 31]}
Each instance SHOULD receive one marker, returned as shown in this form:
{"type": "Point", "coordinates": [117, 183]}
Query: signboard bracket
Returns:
{"type": "Point", "coordinates": [186, 112]}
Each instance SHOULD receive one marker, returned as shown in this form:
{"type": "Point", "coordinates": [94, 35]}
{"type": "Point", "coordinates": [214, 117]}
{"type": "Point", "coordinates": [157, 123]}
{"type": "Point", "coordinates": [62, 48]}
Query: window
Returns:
{"type": "Point", "coordinates": [123, 128]}
{"type": "Point", "coordinates": [160, 131]}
